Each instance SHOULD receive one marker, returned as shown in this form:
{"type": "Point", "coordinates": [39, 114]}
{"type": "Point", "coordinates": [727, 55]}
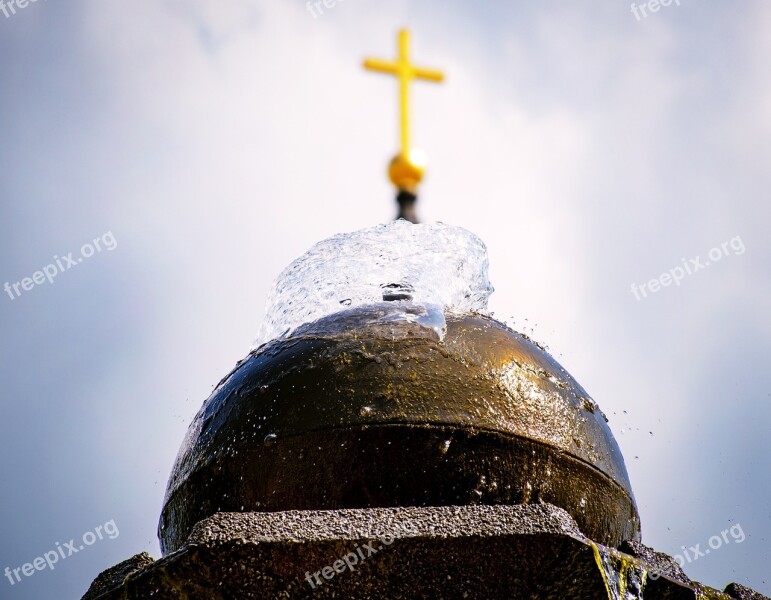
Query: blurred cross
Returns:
{"type": "Point", "coordinates": [407, 168]}
{"type": "Point", "coordinates": [405, 71]}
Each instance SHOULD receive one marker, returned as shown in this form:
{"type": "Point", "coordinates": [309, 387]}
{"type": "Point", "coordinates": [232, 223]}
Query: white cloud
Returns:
{"type": "Point", "coordinates": [587, 152]}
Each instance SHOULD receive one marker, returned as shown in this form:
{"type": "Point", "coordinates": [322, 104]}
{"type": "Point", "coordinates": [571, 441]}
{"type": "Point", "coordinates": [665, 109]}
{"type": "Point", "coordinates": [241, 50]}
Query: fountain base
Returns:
{"type": "Point", "coordinates": [517, 552]}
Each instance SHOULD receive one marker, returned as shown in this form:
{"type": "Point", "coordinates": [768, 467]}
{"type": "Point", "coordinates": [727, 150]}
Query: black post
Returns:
{"type": "Point", "coordinates": [406, 202]}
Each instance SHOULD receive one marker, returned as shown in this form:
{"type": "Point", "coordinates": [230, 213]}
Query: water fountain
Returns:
{"type": "Point", "coordinates": [379, 381]}
{"type": "Point", "coordinates": [387, 438]}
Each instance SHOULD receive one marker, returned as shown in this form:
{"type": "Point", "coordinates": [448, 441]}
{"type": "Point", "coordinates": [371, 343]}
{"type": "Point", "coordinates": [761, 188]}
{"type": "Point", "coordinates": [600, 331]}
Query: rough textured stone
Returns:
{"type": "Point", "coordinates": [739, 592]}
{"type": "Point", "coordinates": [516, 552]}
{"type": "Point", "coordinates": [441, 552]}
{"type": "Point", "coordinates": [352, 524]}
{"type": "Point", "coordinates": [115, 576]}
{"type": "Point", "coordinates": [656, 562]}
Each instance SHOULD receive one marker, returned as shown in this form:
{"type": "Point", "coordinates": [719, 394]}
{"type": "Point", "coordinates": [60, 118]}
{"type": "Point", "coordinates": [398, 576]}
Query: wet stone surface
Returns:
{"type": "Point", "coordinates": [656, 562]}
{"type": "Point", "coordinates": [363, 410]}
{"type": "Point", "coordinates": [739, 592]}
{"type": "Point", "coordinates": [117, 574]}
{"type": "Point", "coordinates": [516, 552]}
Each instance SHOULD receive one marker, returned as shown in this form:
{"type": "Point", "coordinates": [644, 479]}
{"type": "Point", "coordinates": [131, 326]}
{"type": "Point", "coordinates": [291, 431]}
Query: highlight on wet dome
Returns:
{"type": "Point", "coordinates": [387, 436]}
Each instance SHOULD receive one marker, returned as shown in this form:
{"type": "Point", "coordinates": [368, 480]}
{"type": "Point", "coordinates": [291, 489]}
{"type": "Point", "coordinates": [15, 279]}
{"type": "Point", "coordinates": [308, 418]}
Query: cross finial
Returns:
{"type": "Point", "coordinates": [406, 169]}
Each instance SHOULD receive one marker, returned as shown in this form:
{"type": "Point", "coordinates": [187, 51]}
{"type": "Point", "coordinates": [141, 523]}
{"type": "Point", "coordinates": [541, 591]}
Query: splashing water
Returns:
{"type": "Point", "coordinates": [436, 266]}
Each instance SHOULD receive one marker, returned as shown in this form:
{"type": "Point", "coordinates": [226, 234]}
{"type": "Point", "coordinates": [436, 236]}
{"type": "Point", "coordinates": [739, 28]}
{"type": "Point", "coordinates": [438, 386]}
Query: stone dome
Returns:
{"type": "Point", "coordinates": [365, 408]}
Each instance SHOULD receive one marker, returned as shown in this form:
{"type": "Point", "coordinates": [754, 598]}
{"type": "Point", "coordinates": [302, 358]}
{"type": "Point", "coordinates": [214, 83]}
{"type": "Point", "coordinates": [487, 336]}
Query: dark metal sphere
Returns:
{"type": "Point", "coordinates": [357, 411]}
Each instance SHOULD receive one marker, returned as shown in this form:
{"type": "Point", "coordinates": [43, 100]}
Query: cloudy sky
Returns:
{"type": "Point", "coordinates": [214, 142]}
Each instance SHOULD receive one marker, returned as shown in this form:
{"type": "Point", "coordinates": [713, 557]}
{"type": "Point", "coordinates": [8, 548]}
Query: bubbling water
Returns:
{"type": "Point", "coordinates": [435, 266]}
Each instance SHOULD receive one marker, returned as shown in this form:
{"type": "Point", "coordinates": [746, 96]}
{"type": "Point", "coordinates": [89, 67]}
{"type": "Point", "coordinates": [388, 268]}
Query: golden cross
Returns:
{"type": "Point", "coordinates": [405, 71]}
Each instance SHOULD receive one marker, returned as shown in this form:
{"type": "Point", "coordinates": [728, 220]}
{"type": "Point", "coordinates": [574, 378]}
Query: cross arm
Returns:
{"type": "Point", "coordinates": [383, 66]}
{"type": "Point", "coordinates": [429, 74]}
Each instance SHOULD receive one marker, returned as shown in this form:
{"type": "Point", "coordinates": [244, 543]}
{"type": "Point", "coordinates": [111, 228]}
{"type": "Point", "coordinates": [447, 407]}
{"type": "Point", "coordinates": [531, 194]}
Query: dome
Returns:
{"type": "Point", "coordinates": [371, 407]}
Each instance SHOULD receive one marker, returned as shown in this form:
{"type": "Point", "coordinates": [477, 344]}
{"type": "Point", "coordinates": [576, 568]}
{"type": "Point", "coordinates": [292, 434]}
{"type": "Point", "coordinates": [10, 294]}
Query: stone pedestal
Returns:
{"type": "Point", "coordinates": [513, 552]}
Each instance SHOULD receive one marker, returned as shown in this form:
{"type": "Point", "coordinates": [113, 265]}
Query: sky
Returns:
{"type": "Point", "coordinates": [168, 159]}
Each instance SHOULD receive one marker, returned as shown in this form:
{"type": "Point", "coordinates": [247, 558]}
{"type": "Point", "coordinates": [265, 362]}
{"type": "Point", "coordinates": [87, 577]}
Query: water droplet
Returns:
{"type": "Point", "coordinates": [270, 438]}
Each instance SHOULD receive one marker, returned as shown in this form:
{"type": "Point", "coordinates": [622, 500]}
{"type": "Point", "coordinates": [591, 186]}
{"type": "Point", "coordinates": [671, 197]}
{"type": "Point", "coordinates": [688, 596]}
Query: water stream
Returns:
{"type": "Point", "coordinates": [624, 578]}
{"type": "Point", "coordinates": [426, 268]}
